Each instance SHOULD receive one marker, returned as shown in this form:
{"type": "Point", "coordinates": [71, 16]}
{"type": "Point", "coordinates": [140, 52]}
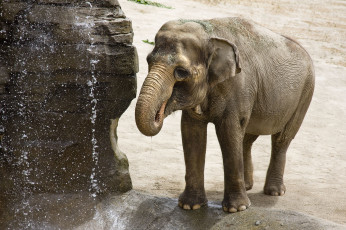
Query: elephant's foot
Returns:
{"type": "Point", "coordinates": [274, 189]}
{"type": "Point", "coordinates": [235, 202]}
{"type": "Point", "coordinates": [248, 175]}
{"type": "Point", "coordinates": [192, 200]}
{"type": "Point", "coordinates": [248, 186]}
{"type": "Point", "coordinates": [248, 182]}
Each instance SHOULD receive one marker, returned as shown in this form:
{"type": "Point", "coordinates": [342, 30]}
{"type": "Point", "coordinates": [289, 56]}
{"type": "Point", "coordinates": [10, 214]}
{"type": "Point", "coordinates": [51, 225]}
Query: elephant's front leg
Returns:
{"type": "Point", "coordinates": [194, 136]}
{"type": "Point", "coordinates": [230, 134]}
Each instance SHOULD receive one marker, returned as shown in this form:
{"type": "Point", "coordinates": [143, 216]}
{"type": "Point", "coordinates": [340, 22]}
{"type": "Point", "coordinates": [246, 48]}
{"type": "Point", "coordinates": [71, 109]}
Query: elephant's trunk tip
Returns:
{"type": "Point", "coordinates": [160, 115]}
{"type": "Point", "coordinates": [153, 124]}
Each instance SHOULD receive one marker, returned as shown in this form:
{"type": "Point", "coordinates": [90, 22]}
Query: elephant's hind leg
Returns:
{"type": "Point", "coordinates": [274, 184]}
{"type": "Point", "coordinates": [247, 159]}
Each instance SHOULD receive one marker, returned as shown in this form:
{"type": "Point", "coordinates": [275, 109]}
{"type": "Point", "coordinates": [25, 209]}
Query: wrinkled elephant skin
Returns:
{"type": "Point", "coordinates": [247, 80]}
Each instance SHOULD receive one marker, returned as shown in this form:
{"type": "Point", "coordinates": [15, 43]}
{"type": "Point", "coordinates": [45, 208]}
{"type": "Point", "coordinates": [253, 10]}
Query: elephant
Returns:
{"type": "Point", "coordinates": [245, 79]}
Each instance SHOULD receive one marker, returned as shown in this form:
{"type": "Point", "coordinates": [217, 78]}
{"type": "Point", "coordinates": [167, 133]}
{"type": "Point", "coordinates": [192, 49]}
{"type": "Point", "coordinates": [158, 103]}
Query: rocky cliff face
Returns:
{"type": "Point", "coordinates": [67, 73]}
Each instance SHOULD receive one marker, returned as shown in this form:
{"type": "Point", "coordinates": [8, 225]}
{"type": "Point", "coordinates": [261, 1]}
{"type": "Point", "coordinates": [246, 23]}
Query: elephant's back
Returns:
{"type": "Point", "coordinates": [253, 38]}
{"type": "Point", "coordinates": [246, 32]}
{"type": "Point", "coordinates": [264, 52]}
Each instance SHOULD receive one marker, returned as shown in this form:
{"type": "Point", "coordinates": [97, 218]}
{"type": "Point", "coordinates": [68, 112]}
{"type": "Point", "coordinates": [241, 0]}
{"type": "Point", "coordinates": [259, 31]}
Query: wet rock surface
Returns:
{"type": "Point", "coordinates": [67, 73]}
{"type": "Point", "coordinates": [134, 210]}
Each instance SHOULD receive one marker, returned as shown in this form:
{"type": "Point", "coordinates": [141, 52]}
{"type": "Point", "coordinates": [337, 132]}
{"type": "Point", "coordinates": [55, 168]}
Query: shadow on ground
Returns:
{"type": "Point", "coordinates": [134, 210]}
{"type": "Point", "coordinates": [258, 199]}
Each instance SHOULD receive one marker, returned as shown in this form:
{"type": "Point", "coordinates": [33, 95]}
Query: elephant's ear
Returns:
{"type": "Point", "coordinates": [223, 62]}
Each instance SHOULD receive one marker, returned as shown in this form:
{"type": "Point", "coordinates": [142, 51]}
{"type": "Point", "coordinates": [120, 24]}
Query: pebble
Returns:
{"type": "Point", "coordinates": [257, 222]}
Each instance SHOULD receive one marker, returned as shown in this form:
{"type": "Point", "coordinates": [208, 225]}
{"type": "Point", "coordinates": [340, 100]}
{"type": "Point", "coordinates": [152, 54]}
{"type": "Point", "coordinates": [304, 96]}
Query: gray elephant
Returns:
{"type": "Point", "coordinates": [246, 79]}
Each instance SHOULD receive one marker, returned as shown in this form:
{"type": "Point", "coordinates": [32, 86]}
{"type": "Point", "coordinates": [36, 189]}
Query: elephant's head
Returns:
{"type": "Point", "coordinates": [184, 64]}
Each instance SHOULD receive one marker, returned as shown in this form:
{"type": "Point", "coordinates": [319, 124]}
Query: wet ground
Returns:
{"type": "Point", "coordinates": [134, 210]}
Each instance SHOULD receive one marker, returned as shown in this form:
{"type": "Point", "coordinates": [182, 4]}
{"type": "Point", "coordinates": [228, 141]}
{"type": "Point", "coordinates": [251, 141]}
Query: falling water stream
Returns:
{"type": "Point", "coordinates": [94, 188]}
{"type": "Point", "coordinates": [92, 84]}
{"type": "Point", "coordinates": [88, 25]}
{"type": "Point", "coordinates": [95, 155]}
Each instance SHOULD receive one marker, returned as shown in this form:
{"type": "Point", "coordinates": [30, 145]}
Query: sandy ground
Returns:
{"type": "Point", "coordinates": [315, 174]}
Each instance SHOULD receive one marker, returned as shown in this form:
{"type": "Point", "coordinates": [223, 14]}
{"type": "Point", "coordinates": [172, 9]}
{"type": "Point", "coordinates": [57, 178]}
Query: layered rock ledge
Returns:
{"type": "Point", "coordinates": [67, 74]}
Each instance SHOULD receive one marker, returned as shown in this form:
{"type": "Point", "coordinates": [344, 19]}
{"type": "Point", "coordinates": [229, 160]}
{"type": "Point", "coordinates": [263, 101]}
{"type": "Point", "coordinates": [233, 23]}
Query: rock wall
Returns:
{"type": "Point", "coordinates": [67, 73]}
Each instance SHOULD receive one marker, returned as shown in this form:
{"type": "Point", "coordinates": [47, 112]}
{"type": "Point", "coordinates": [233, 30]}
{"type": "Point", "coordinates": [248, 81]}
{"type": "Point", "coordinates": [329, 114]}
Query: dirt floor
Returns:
{"type": "Point", "coordinates": [315, 174]}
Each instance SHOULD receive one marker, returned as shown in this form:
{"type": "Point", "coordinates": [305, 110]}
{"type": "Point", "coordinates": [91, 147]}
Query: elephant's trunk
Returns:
{"type": "Point", "coordinates": [152, 100]}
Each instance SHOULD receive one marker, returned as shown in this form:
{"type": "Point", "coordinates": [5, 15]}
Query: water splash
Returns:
{"type": "Point", "coordinates": [23, 160]}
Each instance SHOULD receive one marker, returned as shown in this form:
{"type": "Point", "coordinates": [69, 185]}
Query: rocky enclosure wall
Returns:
{"type": "Point", "coordinates": [67, 73]}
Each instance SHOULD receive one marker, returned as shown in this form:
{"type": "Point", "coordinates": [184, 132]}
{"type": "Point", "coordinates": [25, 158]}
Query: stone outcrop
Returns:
{"type": "Point", "coordinates": [67, 73]}
{"type": "Point", "coordinates": [133, 210]}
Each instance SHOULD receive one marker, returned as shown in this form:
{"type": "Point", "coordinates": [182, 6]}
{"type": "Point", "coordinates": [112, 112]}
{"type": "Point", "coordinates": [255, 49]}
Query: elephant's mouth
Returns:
{"type": "Point", "coordinates": [160, 115]}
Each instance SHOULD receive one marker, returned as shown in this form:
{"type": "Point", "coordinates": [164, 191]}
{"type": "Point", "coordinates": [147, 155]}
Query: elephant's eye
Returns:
{"type": "Point", "coordinates": [181, 73]}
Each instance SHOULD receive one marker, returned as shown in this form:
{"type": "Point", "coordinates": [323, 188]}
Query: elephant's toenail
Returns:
{"type": "Point", "coordinates": [232, 210]}
{"type": "Point", "coordinates": [187, 207]}
{"type": "Point", "coordinates": [196, 206]}
{"type": "Point", "coordinates": [242, 208]}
